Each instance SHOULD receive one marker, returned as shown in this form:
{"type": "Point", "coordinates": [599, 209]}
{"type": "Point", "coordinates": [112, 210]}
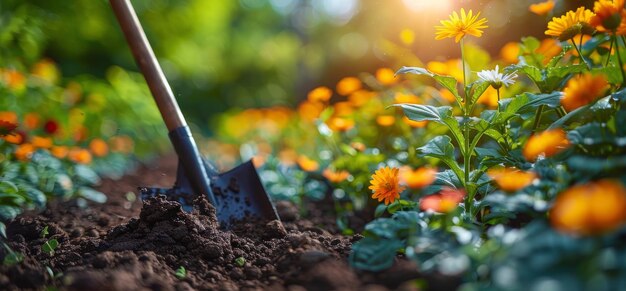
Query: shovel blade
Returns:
{"type": "Point", "coordinates": [239, 195]}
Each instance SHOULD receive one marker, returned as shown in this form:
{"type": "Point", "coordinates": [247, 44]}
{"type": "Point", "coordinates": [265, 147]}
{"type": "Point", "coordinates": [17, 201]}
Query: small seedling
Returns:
{"type": "Point", "coordinates": [181, 273]}
{"type": "Point", "coordinates": [44, 232]}
{"type": "Point", "coordinates": [49, 246]}
{"type": "Point", "coordinates": [13, 258]}
{"type": "Point", "coordinates": [240, 261]}
{"type": "Point", "coordinates": [52, 274]}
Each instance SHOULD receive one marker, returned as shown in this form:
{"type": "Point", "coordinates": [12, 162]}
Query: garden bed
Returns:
{"type": "Point", "coordinates": [121, 245]}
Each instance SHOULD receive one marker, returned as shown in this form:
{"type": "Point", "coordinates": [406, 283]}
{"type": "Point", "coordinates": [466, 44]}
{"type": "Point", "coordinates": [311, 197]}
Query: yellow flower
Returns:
{"type": "Point", "coordinates": [46, 70]}
{"type": "Point", "coordinates": [307, 164]}
{"type": "Point", "coordinates": [511, 179]}
{"type": "Point", "coordinates": [335, 176]}
{"type": "Point", "coordinates": [386, 76]}
{"type": "Point", "coordinates": [401, 98]}
{"type": "Point", "coordinates": [582, 90]}
{"type": "Point", "coordinates": [385, 120]}
{"type": "Point", "coordinates": [452, 67]}
{"type": "Point", "coordinates": [510, 52]}
{"type": "Point", "coordinates": [547, 143]}
{"type": "Point", "coordinates": [386, 185]}
{"type": "Point", "coordinates": [310, 111]}
{"type": "Point", "coordinates": [418, 178]}
{"type": "Point", "coordinates": [320, 94]}
{"type": "Point", "coordinates": [571, 24]}
{"type": "Point", "coordinates": [348, 85]}
{"type": "Point", "coordinates": [542, 8]}
{"type": "Point", "coordinates": [592, 208]}
{"type": "Point", "coordinates": [458, 27]}
{"type": "Point", "coordinates": [608, 14]}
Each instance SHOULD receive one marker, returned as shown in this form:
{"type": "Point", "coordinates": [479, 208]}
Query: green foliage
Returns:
{"type": "Point", "coordinates": [181, 273]}
{"type": "Point", "coordinates": [240, 261]}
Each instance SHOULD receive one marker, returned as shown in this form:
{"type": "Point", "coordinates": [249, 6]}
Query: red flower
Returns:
{"type": "Point", "coordinates": [6, 127]}
{"type": "Point", "coordinates": [445, 201]}
{"type": "Point", "coordinates": [51, 127]}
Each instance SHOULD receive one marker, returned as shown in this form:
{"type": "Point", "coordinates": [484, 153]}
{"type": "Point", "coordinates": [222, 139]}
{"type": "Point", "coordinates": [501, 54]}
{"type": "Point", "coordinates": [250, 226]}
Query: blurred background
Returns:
{"type": "Point", "coordinates": [225, 56]}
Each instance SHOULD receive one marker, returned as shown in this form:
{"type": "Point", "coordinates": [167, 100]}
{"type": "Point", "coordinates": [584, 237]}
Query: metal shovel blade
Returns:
{"type": "Point", "coordinates": [239, 194]}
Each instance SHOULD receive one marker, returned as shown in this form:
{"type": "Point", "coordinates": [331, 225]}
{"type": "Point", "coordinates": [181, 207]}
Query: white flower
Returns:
{"type": "Point", "coordinates": [497, 79]}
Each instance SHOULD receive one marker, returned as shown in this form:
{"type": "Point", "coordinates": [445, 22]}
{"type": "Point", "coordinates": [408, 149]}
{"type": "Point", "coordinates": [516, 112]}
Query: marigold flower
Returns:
{"type": "Point", "coordinates": [457, 27]}
{"type": "Point", "coordinates": [6, 127]}
{"type": "Point", "coordinates": [24, 151]}
{"type": "Point", "coordinates": [31, 120]}
{"type": "Point", "coordinates": [79, 155]}
{"type": "Point", "coordinates": [592, 208]}
{"type": "Point", "coordinates": [547, 144]}
{"type": "Point", "coordinates": [418, 178]}
{"type": "Point", "coordinates": [59, 152]}
{"type": "Point", "coordinates": [41, 142]}
{"type": "Point", "coordinates": [340, 123]}
{"type": "Point", "coordinates": [310, 111]}
{"type": "Point", "coordinates": [122, 144]}
{"type": "Point", "coordinates": [307, 164]}
{"type": "Point", "coordinates": [99, 147]}
{"type": "Point", "coordinates": [582, 90]}
{"type": "Point", "coordinates": [511, 179]}
{"type": "Point", "coordinates": [14, 80]}
{"type": "Point", "coordinates": [342, 108]}
{"type": "Point", "coordinates": [348, 85]}
{"type": "Point", "coordinates": [403, 98]}
{"type": "Point", "coordinates": [335, 176]}
{"type": "Point", "coordinates": [549, 47]}
{"type": "Point", "coordinates": [385, 185]}
{"type": "Point", "coordinates": [571, 24]}
{"type": "Point", "coordinates": [415, 124]}
{"type": "Point", "coordinates": [320, 94]}
{"type": "Point", "coordinates": [443, 202]}
{"type": "Point", "coordinates": [608, 14]}
{"type": "Point", "coordinates": [15, 138]}
{"type": "Point", "coordinates": [386, 76]}
{"type": "Point", "coordinates": [542, 8]}
{"type": "Point", "coordinates": [510, 52]}
{"type": "Point", "coordinates": [360, 97]}
{"type": "Point", "coordinates": [385, 120]}
{"type": "Point", "coordinates": [8, 116]}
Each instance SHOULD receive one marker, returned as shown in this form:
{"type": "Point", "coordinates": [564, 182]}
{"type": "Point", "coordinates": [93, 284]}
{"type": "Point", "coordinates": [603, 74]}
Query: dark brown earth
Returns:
{"type": "Point", "coordinates": [124, 245]}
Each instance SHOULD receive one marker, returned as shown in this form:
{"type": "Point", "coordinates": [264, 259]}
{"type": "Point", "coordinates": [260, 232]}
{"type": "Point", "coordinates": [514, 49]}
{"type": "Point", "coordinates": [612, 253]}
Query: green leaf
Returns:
{"type": "Point", "coordinates": [3, 230]}
{"type": "Point", "coordinates": [86, 174]}
{"type": "Point", "coordinates": [414, 70]}
{"type": "Point", "coordinates": [9, 212]}
{"type": "Point", "coordinates": [447, 82]}
{"type": "Point", "coordinates": [613, 73]}
{"type": "Point", "coordinates": [380, 210]}
{"type": "Point", "coordinates": [442, 114]}
{"type": "Point", "coordinates": [441, 148]}
{"type": "Point", "coordinates": [525, 103]}
{"type": "Point", "coordinates": [92, 195]}
{"type": "Point", "coordinates": [44, 232]}
{"type": "Point", "coordinates": [477, 89]}
{"type": "Point", "coordinates": [374, 254]}
{"type": "Point", "coordinates": [13, 258]}
{"type": "Point", "coordinates": [181, 273]}
{"type": "Point", "coordinates": [49, 246]}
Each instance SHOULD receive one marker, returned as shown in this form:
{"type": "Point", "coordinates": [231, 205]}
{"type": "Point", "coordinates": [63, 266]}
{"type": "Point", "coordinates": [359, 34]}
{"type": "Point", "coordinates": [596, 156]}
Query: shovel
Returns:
{"type": "Point", "coordinates": [238, 194]}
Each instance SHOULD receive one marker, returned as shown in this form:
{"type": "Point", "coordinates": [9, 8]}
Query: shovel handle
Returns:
{"type": "Point", "coordinates": [148, 64]}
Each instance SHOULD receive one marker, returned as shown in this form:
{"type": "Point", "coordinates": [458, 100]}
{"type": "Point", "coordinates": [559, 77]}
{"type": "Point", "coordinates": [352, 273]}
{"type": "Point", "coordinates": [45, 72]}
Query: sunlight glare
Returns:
{"type": "Point", "coordinates": [428, 5]}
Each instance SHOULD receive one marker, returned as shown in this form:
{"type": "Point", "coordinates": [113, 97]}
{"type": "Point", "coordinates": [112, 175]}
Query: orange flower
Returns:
{"type": "Point", "coordinates": [385, 185]}
{"type": "Point", "coordinates": [41, 142]}
{"type": "Point", "coordinates": [343, 108]}
{"type": "Point", "coordinates": [386, 76]}
{"type": "Point", "coordinates": [309, 111]}
{"type": "Point", "coordinates": [401, 98]}
{"type": "Point", "coordinates": [360, 97]}
{"type": "Point", "coordinates": [415, 124]}
{"type": "Point", "coordinates": [99, 147]}
{"type": "Point", "coordinates": [80, 155]}
{"type": "Point", "coordinates": [47, 71]}
{"type": "Point", "coordinates": [31, 120]}
{"type": "Point", "coordinates": [549, 47]}
{"type": "Point", "coordinates": [445, 201]}
{"type": "Point", "coordinates": [348, 85]}
{"type": "Point", "coordinates": [258, 160]}
{"type": "Point", "coordinates": [511, 179]}
{"type": "Point", "coordinates": [385, 120]}
{"type": "Point", "coordinates": [490, 97]}
{"type": "Point", "coordinates": [8, 116]}
{"type": "Point", "coordinates": [307, 164]}
{"type": "Point", "coordinates": [7, 127]}
{"type": "Point", "coordinates": [320, 94]}
{"type": "Point", "coordinates": [14, 80]}
{"type": "Point", "coordinates": [14, 138]}
{"type": "Point", "coordinates": [335, 176]}
{"type": "Point", "coordinates": [121, 144]}
{"type": "Point", "coordinates": [359, 146]}
{"type": "Point", "coordinates": [419, 178]}
{"type": "Point", "coordinates": [582, 90]}
{"type": "Point", "coordinates": [452, 67]}
{"type": "Point", "coordinates": [24, 151]}
{"type": "Point", "coordinates": [571, 24]}
{"type": "Point", "coordinates": [593, 208]}
{"type": "Point", "coordinates": [288, 157]}
{"type": "Point", "coordinates": [608, 14]}
{"type": "Point", "coordinates": [547, 143]}
{"type": "Point", "coordinates": [542, 8]}
{"type": "Point", "coordinates": [340, 124]}
{"type": "Point", "coordinates": [59, 152]}
{"type": "Point", "coordinates": [509, 52]}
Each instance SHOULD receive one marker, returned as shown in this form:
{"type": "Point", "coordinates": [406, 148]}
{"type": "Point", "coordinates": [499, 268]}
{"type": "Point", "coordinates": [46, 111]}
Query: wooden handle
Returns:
{"type": "Point", "coordinates": [148, 64]}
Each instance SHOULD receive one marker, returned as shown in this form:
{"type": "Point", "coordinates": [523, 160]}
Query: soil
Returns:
{"type": "Point", "coordinates": [126, 244]}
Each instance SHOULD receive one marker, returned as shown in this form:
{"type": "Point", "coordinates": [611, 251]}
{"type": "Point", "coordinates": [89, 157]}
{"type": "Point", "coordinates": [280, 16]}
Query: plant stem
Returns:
{"type": "Point", "coordinates": [538, 117]}
{"type": "Point", "coordinates": [580, 54]}
{"type": "Point", "coordinates": [466, 153]}
{"type": "Point", "coordinates": [619, 61]}
{"type": "Point", "coordinates": [610, 50]}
